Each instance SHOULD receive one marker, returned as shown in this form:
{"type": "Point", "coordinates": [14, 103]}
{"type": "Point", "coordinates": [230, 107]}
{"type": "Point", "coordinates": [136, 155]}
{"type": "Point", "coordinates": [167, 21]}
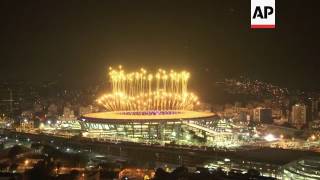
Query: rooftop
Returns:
{"type": "Point", "coordinates": [149, 115]}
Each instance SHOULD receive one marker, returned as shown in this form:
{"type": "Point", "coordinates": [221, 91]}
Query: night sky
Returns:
{"type": "Point", "coordinates": [75, 41]}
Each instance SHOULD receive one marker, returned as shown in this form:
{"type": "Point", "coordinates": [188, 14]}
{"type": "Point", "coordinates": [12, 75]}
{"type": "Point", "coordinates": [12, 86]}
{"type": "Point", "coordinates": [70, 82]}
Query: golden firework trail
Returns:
{"type": "Point", "coordinates": [143, 91]}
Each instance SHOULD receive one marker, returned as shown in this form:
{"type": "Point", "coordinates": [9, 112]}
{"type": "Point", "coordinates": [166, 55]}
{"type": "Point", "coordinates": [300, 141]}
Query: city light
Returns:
{"type": "Point", "coordinates": [270, 137]}
{"type": "Point", "coordinates": [85, 134]}
{"type": "Point", "coordinates": [188, 137]}
{"type": "Point", "coordinates": [41, 126]}
{"type": "Point", "coordinates": [281, 136]}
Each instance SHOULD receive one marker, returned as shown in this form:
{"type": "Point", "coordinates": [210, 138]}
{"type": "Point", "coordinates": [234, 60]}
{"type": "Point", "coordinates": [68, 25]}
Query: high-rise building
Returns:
{"type": "Point", "coordinates": [314, 109]}
{"type": "Point", "coordinates": [85, 110]}
{"type": "Point", "coordinates": [15, 96]}
{"type": "Point", "coordinates": [68, 112]}
{"type": "Point", "coordinates": [299, 115]}
{"type": "Point", "coordinates": [263, 115]}
{"type": "Point", "coordinates": [52, 110]}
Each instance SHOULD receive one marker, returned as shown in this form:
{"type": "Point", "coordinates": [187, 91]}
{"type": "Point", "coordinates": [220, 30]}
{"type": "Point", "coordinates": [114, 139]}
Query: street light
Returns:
{"type": "Point", "coordinates": [281, 136]}
{"type": "Point", "coordinates": [173, 134]}
{"type": "Point", "coordinates": [188, 137]}
{"type": "Point", "coordinates": [270, 137]}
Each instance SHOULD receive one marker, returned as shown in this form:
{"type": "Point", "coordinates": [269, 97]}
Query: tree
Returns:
{"type": "Point", "coordinates": [161, 174]}
{"type": "Point", "coordinates": [253, 173]}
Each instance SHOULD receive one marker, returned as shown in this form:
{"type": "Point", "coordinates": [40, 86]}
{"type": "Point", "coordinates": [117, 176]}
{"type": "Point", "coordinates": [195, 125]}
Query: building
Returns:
{"type": "Point", "coordinates": [27, 124]}
{"type": "Point", "coordinates": [85, 110]}
{"type": "Point", "coordinates": [68, 112]}
{"type": "Point", "coordinates": [52, 110]}
{"type": "Point", "coordinates": [299, 115]}
{"type": "Point", "coordinates": [16, 95]}
{"type": "Point", "coordinates": [262, 115]}
{"type": "Point", "coordinates": [38, 108]}
{"type": "Point", "coordinates": [314, 125]}
{"type": "Point", "coordinates": [314, 109]}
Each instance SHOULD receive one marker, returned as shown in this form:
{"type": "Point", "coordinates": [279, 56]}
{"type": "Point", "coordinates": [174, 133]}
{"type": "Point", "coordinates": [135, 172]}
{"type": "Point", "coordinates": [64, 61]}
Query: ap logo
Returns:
{"type": "Point", "coordinates": [263, 14]}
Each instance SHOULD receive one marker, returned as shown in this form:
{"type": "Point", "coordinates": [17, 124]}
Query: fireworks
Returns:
{"type": "Point", "coordinates": [143, 91]}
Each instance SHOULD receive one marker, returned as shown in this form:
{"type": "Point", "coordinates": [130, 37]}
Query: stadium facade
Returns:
{"type": "Point", "coordinates": [303, 169]}
{"type": "Point", "coordinates": [148, 125]}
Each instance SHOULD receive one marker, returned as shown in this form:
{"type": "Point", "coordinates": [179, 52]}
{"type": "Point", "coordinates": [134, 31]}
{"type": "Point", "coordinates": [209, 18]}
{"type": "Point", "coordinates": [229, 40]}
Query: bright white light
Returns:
{"type": "Point", "coordinates": [41, 126]}
{"type": "Point", "coordinates": [270, 137]}
{"type": "Point", "coordinates": [49, 122]}
{"type": "Point", "coordinates": [85, 134]}
{"type": "Point", "coordinates": [256, 135]}
{"type": "Point", "coordinates": [281, 136]}
{"type": "Point", "coordinates": [188, 137]}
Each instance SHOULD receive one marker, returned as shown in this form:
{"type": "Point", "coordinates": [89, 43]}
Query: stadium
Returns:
{"type": "Point", "coordinates": [146, 106]}
{"type": "Point", "coordinates": [163, 125]}
{"type": "Point", "coordinates": [308, 168]}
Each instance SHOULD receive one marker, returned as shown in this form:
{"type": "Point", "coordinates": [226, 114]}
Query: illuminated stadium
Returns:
{"type": "Point", "coordinates": [145, 106]}
{"type": "Point", "coordinates": [304, 169]}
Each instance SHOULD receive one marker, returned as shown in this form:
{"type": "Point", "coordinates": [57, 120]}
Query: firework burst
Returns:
{"type": "Point", "coordinates": [143, 91]}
